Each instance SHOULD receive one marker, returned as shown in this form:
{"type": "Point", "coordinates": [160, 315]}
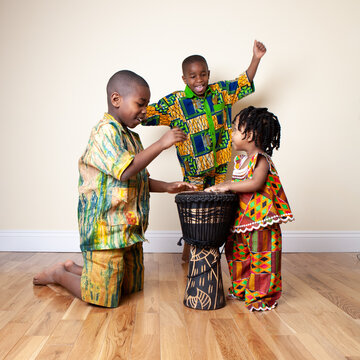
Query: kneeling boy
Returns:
{"type": "Point", "coordinates": [113, 206]}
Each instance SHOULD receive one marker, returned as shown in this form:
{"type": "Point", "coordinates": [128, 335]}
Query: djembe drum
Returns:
{"type": "Point", "coordinates": [205, 219]}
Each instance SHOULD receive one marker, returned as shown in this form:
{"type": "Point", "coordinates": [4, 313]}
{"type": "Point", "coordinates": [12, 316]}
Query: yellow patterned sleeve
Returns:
{"type": "Point", "coordinates": [105, 153]}
{"type": "Point", "coordinates": [236, 89]}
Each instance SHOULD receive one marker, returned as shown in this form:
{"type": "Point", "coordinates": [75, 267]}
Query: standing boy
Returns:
{"type": "Point", "coordinates": [203, 112]}
{"type": "Point", "coordinates": [113, 206]}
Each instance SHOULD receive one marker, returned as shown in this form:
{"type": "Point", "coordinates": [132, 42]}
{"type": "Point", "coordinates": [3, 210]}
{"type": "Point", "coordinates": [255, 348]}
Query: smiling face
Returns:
{"type": "Point", "coordinates": [196, 76]}
{"type": "Point", "coordinates": [130, 109]}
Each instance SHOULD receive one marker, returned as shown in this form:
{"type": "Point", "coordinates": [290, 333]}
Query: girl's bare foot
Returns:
{"type": "Point", "coordinates": [70, 266]}
{"type": "Point", "coordinates": [47, 276]}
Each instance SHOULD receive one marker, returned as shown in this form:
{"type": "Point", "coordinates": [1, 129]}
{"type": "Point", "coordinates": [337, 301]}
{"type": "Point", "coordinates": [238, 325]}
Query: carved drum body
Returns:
{"type": "Point", "coordinates": [205, 219]}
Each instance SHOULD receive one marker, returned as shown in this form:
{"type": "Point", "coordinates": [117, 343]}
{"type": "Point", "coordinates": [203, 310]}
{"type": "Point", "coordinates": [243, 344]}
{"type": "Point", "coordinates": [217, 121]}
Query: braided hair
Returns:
{"type": "Point", "coordinates": [263, 124]}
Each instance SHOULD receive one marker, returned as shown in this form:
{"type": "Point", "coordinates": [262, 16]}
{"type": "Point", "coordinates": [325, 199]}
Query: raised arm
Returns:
{"type": "Point", "coordinates": [144, 158]}
{"type": "Point", "coordinates": [259, 51]}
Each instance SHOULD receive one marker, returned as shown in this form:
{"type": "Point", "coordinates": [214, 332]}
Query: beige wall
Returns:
{"type": "Point", "coordinates": [56, 57]}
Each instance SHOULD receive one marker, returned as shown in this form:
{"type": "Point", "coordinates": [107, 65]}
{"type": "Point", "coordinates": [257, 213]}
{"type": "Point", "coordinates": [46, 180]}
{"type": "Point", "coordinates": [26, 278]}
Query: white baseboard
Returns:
{"type": "Point", "coordinates": [166, 241]}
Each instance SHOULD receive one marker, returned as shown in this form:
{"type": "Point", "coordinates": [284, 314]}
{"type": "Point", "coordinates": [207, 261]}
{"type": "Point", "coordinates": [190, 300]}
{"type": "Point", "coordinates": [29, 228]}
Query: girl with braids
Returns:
{"type": "Point", "coordinates": [253, 250]}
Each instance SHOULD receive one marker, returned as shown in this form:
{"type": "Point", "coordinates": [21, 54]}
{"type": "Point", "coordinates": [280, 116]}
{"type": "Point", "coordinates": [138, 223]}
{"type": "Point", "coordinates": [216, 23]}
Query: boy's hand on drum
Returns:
{"type": "Point", "coordinates": [179, 186]}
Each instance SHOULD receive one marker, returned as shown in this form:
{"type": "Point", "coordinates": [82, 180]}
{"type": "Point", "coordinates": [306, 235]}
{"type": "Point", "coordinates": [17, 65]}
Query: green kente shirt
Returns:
{"type": "Point", "coordinates": [206, 120]}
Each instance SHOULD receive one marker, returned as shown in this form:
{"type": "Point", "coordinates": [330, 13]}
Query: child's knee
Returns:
{"type": "Point", "coordinates": [108, 274]}
{"type": "Point", "coordinates": [102, 277]}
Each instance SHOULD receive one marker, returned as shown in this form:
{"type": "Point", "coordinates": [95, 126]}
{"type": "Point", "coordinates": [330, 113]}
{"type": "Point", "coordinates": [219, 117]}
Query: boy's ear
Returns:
{"type": "Point", "coordinates": [115, 99]}
{"type": "Point", "coordinates": [184, 80]}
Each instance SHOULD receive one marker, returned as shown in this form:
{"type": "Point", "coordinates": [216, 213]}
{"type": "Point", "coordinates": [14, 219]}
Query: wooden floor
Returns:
{"type": "Point", "coordinates": [318, 316]}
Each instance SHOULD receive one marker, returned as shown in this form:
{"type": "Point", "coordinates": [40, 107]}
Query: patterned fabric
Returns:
{"type": "Point", "coordinates": [107, 274]}
{"type": "Point", "coordinates": [207, 121]}
{"type": "Point", "coordinates": [213, 177]}
{"type": "Point", "coordinates": [112, 214]}
{"type": "Point", "coordinates": [254, 260]}
{"type": "Point", "coordinates": [264, 207]}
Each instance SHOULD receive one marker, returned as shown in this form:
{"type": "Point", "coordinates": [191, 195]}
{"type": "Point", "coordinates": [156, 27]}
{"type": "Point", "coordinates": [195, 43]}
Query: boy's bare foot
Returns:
{"type": "Point", "coordinates": [47, 276]}
{"type": "Point", "coordinates": [70, 266]}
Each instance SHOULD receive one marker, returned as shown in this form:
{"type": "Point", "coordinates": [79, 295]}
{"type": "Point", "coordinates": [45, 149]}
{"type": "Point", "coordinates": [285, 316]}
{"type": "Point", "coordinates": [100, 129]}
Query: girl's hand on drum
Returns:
{"type": "Point", "coordinates": [223, 187]}
{"type": "Point", "coordinates": [179, 186]}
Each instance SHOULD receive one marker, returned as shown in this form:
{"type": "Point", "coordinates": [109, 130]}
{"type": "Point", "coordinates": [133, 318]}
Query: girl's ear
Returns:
{"type": "Point", "coordinates": [115, 99]}
{"type": "Point", "coordinates": [250, 136]}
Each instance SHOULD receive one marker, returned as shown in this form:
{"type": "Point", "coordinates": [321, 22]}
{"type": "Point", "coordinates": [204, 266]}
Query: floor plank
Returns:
{"type": "Point", "coordinates": [318, 316]}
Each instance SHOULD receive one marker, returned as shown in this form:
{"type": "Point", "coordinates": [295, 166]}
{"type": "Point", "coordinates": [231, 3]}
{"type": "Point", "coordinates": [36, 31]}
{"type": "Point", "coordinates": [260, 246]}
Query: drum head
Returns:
{"type": "Point", "coordinates": [206, 217]}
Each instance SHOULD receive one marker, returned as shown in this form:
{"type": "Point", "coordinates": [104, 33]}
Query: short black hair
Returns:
{"type": "Point", "coordinates": [263, 124]}
{"type": "Point", "coordinates": [191, 59]}
{"type": "Point", "coordinates": [123, 82]}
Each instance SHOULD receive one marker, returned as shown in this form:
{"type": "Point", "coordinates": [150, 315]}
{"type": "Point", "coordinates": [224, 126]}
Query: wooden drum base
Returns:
{"type": "Point", "coordinates": [204, 289]}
